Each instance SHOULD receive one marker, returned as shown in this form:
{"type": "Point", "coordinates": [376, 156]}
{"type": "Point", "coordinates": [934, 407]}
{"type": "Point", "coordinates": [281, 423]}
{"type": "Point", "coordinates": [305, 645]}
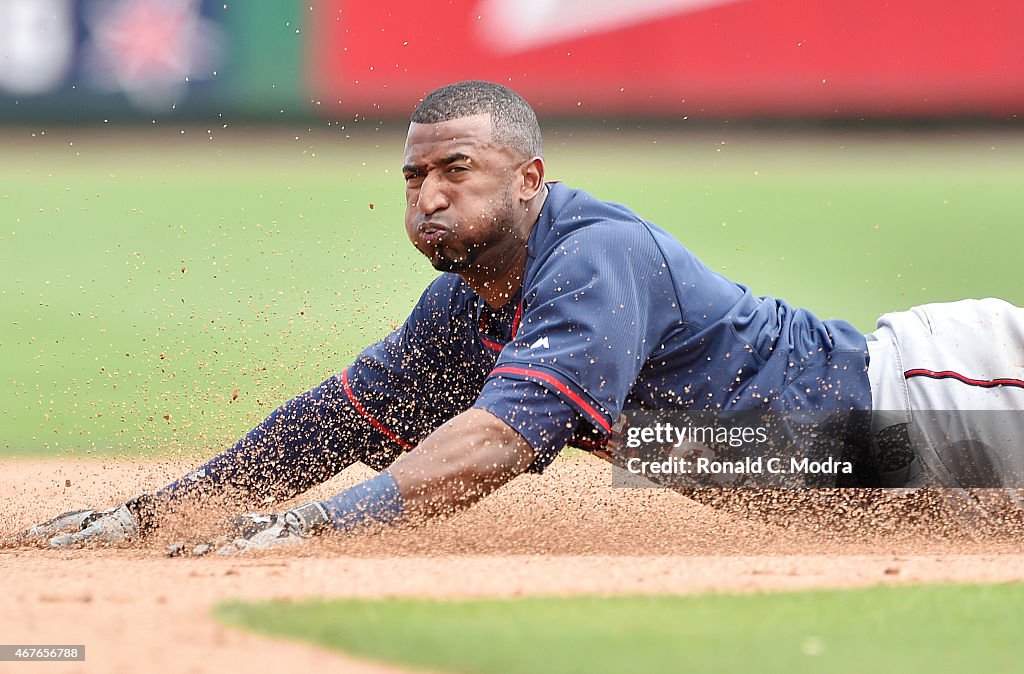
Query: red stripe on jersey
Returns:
{"type": "Point", "coordinates": [515, 321]}
{"type": "Point", "coordinates": [949, 374]}
{"type": "Point", "coordinates": [562, 388]}
{"type": "Point", "coordinates": [369, 417]}
{"type": "Point", "coordinates": [491, 344]}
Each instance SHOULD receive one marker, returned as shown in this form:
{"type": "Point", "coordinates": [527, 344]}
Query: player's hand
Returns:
{"type": "Point", "coordinates": [277, 530]}
{"type": "Point", "coordinates": [254, 532]}
{"type": "Point", "coordinates": [80, 527]}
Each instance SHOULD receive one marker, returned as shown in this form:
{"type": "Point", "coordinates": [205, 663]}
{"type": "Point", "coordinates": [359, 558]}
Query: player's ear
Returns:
{"type": "Point", "coordinates": [531, 178]}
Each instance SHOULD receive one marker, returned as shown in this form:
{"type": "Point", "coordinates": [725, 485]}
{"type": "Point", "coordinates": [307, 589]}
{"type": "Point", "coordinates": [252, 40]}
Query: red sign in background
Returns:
{"type": "Point", "coordinates": [677, 57]}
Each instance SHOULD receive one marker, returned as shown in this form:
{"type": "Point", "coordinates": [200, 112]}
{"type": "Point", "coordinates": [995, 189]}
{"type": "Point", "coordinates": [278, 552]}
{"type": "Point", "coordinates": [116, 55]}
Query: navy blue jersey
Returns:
{"type": "Point", "coordinates": [614, 314]}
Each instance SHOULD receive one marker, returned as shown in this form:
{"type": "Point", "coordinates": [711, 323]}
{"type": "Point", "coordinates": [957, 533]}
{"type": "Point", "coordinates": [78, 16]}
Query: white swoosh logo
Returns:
{"type": "Point", "coordinates": [517, 25]}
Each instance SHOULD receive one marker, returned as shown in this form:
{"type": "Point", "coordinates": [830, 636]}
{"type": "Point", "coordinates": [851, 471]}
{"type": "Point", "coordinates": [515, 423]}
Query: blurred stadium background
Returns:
{"type": "Point", "coordinates": [96, 61]}
{"type": "Point", "coordinates": [201, 203]}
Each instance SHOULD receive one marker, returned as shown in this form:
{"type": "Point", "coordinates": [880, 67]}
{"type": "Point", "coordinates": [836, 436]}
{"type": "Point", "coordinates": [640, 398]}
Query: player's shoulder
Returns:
{"type": "Point", "coordinates": [574, 218]}
{"type": "Point", "coordinates": [572, 208]}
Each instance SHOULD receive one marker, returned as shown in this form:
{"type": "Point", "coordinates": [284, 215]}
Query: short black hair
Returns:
{"type": "Point", "coordinates": [513, 120]}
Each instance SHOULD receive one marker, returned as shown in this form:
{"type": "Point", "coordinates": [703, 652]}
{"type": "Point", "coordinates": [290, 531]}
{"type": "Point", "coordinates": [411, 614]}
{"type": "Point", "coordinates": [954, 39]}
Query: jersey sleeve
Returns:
{"type": "Point", "coordinates": [420, 375]}
{"type": "Point", "coordinates": [593, 314]}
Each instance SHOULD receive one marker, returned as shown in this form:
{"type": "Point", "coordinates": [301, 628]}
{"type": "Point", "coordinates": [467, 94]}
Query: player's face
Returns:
{"type": "Point", "coordinates": [460, 193]}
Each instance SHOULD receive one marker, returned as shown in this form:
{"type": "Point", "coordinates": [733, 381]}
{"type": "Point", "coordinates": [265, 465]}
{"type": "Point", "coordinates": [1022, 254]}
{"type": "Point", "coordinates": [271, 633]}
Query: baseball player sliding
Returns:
{"type": "Point", "coordinates": [554, 314]}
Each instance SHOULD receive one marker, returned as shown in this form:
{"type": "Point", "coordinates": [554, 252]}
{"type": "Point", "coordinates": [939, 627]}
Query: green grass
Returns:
{"type": "Point", "coordinates": [289, 272]}
{"type": "Point", "coordinates": [971, 628]}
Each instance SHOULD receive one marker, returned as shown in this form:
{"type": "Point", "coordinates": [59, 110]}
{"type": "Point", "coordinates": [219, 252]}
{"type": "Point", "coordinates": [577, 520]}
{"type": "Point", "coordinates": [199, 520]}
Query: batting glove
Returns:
{"type": "Point", "coordinates": [80, 527]}
{"type": "Point", "coordinates": [268, 532]}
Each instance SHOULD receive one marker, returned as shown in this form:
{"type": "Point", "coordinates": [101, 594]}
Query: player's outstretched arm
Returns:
{"type": "Point", "coordinates": [461, 462]}
{"type": "Point", "coordinates": [303, 442]}
{"type": "Point", "coordinates": [458, 464]}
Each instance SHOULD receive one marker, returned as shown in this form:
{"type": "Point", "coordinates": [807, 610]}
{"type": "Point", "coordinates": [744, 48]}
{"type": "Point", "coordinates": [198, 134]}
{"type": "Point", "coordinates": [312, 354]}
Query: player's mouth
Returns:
{"type": "Point", "coordinates": [431, 233]}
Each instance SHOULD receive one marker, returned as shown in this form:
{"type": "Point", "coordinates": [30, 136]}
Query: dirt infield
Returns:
{"type": "Point", "coordinates": [567, 531]}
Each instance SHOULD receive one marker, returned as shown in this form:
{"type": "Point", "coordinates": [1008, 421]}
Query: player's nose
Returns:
{"type": "Point", "coordinates": [431, 197]}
